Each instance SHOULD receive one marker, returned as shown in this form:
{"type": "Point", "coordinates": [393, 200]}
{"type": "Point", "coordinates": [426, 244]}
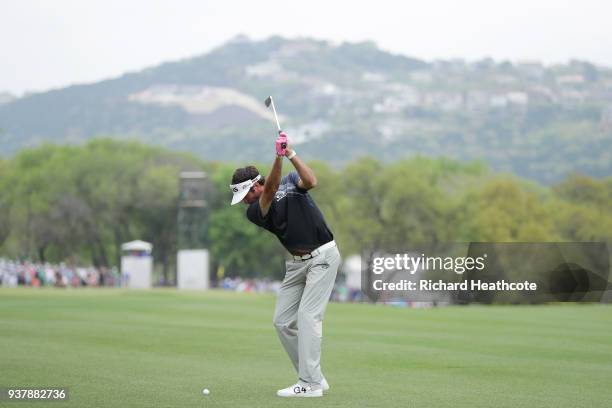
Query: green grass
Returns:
{"type": "Point", "coordinates": [159, 348]}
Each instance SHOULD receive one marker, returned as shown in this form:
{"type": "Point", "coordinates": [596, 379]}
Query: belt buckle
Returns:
{"type": "Point", "coordinates": [302, 257]}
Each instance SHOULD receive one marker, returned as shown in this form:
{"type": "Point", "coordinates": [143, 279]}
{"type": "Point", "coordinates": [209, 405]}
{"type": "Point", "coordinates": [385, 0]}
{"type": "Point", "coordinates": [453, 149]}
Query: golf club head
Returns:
{"type": "Point", "coordinates": [269, 102]}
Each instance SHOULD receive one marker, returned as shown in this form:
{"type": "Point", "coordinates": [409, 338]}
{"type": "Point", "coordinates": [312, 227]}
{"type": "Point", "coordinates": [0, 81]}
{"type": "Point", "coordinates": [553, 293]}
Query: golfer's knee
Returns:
{"type": "Point", "coordinates": [312, 320]}
{"type": "Point", "coordinates": [308, 317]}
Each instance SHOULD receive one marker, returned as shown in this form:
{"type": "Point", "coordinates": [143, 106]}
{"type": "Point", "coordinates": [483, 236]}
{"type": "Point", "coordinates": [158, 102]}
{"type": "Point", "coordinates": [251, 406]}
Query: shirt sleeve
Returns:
{"type": "Point", "coordinates": [254, 215]}
{"type": "Point", "coordinates": [293, 178]}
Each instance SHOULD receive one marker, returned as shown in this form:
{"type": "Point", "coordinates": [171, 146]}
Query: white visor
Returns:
{"type": "Point", "coordinates": [240, 190]}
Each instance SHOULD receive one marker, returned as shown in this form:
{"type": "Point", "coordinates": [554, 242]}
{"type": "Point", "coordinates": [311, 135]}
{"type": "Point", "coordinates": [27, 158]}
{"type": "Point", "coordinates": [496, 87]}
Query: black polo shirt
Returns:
{"type": "Point", "coordinates": [293, 217]}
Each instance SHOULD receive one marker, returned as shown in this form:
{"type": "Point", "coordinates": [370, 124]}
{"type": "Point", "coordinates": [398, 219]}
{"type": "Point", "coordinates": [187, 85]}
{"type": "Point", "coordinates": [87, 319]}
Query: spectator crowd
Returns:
{"type": "Point", "coordinates": [25, 273]}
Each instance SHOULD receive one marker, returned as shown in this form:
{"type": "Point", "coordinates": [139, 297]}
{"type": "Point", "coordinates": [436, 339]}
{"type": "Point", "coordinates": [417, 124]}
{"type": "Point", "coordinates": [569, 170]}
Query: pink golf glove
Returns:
{"type": "Point", "coordinates": [281, 144]}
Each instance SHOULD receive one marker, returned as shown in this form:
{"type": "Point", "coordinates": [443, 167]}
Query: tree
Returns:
{"type": "Point", "coordinates": [504, 210]}
{"type": "Point", "coordinates": [4, 202]}
{"type": "Point", "coordinates": [583, 212]}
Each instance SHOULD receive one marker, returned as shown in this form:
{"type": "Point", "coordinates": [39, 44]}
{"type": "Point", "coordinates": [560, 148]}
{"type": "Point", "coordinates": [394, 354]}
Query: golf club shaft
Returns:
{"type": "Point", "coordinates": [275, 116]}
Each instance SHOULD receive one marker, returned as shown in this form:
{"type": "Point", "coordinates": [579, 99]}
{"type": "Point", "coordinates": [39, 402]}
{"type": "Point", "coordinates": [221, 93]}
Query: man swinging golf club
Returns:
{"type": "Point", "coordinates": [284, 207]}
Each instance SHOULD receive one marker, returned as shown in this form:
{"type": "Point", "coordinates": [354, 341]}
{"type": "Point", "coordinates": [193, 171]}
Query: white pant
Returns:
{"type": "Point", "coordinates": [300, 307]}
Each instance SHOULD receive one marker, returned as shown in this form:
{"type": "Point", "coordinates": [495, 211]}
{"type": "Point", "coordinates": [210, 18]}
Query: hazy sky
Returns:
{"type": "Point", "coordinates": [54, 43]}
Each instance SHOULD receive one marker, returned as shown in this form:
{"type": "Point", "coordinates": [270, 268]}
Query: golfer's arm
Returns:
{"type": "Point", "coordinates": [308, 179]}
{"type": "Point", "coordinates": [271, 185]}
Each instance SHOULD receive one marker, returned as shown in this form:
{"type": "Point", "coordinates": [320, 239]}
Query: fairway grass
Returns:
{"type": "Point", "coordinates": [160, 348]}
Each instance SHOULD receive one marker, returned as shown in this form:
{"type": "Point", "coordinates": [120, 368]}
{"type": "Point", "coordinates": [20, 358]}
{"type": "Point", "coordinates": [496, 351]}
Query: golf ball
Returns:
{"type": "Point", "coordinates": [205, 391]}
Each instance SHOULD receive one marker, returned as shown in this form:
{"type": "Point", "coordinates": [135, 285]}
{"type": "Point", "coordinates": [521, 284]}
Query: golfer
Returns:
{"type": "Point", "coordinates": [284, 207]}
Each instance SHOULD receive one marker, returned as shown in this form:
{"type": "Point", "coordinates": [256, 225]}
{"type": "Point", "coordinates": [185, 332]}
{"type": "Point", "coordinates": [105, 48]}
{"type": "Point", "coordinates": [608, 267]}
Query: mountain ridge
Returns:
{"type": "Point", "coordinates": [339, 101]}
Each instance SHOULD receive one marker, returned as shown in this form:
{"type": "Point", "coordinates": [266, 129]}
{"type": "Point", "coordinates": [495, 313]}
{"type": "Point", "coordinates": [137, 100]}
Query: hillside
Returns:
{"type": "Point", "coordinates": [339, 102]}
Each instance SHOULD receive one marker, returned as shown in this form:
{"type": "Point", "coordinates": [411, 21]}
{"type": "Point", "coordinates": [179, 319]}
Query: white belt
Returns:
{"type": "Point", "coordinates": [315, 252]}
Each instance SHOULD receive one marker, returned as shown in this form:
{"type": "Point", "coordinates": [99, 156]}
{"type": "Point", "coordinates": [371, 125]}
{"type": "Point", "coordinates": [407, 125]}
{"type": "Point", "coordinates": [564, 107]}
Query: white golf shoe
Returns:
{"type": "Point", "coordinates": [301, 391]}
{"type": "Point", "coordinates": [324, 384]}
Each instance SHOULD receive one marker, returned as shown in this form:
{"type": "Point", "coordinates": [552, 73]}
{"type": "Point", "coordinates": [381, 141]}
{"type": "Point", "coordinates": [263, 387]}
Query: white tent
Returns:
{"type": "Point", "coordinates": [136, 264]}
{"type": "Point", "coordinates": [137, 246]}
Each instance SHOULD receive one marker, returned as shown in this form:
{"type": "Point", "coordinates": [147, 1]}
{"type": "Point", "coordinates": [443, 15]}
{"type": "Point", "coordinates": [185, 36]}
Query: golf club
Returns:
{"type": "Point", "coordinates": [269, 102]}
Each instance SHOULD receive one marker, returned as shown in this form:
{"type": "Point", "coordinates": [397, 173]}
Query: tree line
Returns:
{"type": "Point", "coordinates": [79, 203]}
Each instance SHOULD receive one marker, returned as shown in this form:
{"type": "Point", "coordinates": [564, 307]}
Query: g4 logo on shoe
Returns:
{"type": "Point", "coordinates": [299, 391]}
